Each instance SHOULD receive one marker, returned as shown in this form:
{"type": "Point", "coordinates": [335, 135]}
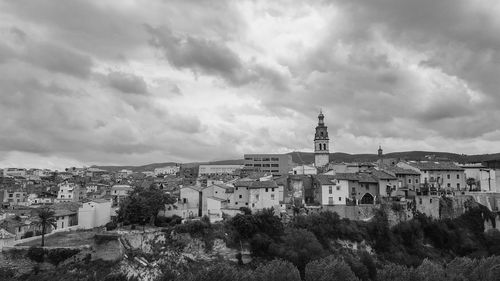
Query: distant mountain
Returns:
{"type": "Point", "coordinates": [308, 158]}
{"type": "Point", "coordinates": [151, 167]}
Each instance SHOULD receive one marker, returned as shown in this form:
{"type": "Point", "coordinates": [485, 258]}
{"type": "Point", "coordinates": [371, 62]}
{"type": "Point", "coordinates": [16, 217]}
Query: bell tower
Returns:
{"type": "Point", "coordinates": [321, 143]}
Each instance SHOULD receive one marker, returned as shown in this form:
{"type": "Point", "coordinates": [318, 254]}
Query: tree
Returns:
{"type": "Point", "coordinates": [142, 205]}
{"type": "Point", "coordinates": [277, 270]}
{"type": "Point", "coordinates": [299, 246]}
{"type": "Point", "coordinates": [329, 269]}
{"type": "Point", "coordinates": [470, 182]}
{"type": "Point", "coordinates": [46, 219]}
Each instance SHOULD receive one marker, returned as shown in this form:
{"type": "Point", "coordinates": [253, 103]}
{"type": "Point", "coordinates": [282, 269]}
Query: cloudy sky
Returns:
{"type": "Point", "coordinates": [136, 82]}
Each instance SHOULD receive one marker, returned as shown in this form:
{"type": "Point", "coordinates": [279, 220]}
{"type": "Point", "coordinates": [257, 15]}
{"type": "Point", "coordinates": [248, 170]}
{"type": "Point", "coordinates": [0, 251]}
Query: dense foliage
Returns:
{"type": "Point", "coordinates": [142, 205]}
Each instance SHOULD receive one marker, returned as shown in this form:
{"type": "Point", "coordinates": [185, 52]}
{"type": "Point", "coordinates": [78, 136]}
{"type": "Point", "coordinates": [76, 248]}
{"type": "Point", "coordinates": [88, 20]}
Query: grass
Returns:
{"type": "Point", "coordinates": [64, 239]}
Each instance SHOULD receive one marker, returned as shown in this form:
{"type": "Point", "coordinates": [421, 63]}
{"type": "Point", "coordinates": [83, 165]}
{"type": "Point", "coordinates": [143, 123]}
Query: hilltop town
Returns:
{"type": "Point", "coordinates": [101, 202]}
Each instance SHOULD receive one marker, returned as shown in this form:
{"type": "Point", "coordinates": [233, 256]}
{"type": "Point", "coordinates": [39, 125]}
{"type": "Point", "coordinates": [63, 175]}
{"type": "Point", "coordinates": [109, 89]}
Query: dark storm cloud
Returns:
{"type": "Point", "coordinates": [127, 83]}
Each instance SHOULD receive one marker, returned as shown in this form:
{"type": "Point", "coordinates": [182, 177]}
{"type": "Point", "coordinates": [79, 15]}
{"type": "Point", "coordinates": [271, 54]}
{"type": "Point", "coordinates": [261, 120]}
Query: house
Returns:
{"type": "Point", "coordinates": [263, 194]}
{"type": "Point", "coordinates": [65, 218]}
{"type": "Point", "coordinates": [363, 187]}
{"type": "Point", "coordinates": [218, 169]}
{"type": "Point", "coordinates": [219, 191]}
{"type": "Point", "coordinates": [15, 197]}
{"type": "Point", "coordinates": [43, 198]}
{"type": "Point", "coordinates": [440, 176]}
{"type": "Point", "coordinates": [387, 183]}
{"type": "Point", "coordinates": [333, 191]}
{"type": "Point", "coordinates": [484, 178]}
{"type": "Point", "coordinates": [6, 238]}
{"type": "Point", "coordinates": [68, 192]}
{"type": "Point", "coordinates": [304, 170]}
{"type": "Point", "coordinates": [94, 213]}
{"type": "Point", "coordinates": [214, 208]}
{"type": "Point", "coordinates": [167, 170]}
{"type": "Point", "coordinates": [408, 180]}
{"type": "Point", "coordinates": [188, 205]}
{"type": "Point", "coordinates": [17, 226]}
{"type": "Point", "coordinates": [120, 191]}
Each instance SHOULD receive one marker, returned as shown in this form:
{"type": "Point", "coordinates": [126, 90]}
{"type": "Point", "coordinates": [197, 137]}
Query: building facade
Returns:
{"type": "Point", "coordinates": [277, 164]}
{"type": "Point", "coordinates": [218, 169]}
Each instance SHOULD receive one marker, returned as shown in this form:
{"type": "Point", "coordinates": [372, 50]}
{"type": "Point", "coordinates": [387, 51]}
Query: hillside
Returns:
{"type": "Point", "coordinates": [308, 158]}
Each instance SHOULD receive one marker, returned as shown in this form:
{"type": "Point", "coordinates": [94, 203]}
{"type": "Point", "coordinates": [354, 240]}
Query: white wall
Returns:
{"type": "Point", "coordinates": [339, 193]}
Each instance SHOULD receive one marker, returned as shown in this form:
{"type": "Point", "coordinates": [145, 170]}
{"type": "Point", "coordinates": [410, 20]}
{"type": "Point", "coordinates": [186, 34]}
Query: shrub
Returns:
{"type": "Point", "coordinates": [27, 234]}
{"type": "Point", "coordinates": [103, 238]}
{"type": "Point", "coordinates": [6, 273]}
{"type": "Point", "coordinates": [36, 254]}
{"type": "Point", "coordinates": [56, 256]}
{"type": "Point", "coordinates": [110, 226]}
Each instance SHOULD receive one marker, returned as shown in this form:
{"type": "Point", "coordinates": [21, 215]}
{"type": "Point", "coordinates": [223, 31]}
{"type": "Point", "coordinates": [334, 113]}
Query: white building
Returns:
{"type": "Point", "coordinates": [14, 172]}
{"type": "Point", "coordinates": [304, 170]}
{"type": "Point", "coordinates": [68, 192]}
{"type": "Point", "coordinates": [94, 213]}
{"type": "Point", "coordinates": [485, 177]}
{"type": "Point", "coordinates": [218, 169]}
{"type": "Point", "coordinates": [167, 170]}
{"type": "Point", "coordinates": [333, 191]}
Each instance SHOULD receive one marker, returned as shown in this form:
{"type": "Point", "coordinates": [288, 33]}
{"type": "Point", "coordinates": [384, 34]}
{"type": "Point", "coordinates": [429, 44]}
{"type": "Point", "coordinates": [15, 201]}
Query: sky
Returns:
{"type": "Point", "coordinates": [137, 82]}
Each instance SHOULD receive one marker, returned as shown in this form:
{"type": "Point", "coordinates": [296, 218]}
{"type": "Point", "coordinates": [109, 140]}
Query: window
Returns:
{"type": "Point", "coordinates": [338, 187]}
{"type": "Point", "coordinates": [265, 159]}
{"type": "Point", "coordinates": [266, 165]}
{"type": "Point", "coordinates": [430, 200]}
{"type": "Point", "coordinates": [275, 165]}
{"type": "Point", "coordinates": [267, 189]}
{"type": "Point", "coordinates": [458, 176]}
{"type": "Point", "coordinates": [11, 195]}
{"type": "Point", "coordinates": [409, 180]}
{"type": "Point", "coordinates": [272, 189]}
{"type": "Point", "coordinates": [236, 203]}
{"type": "Point", "coordinates": [420, 200]}
{"type": "Point", "coordinates": [184, 200]}
{"type": "Point", "coordinates": [257, 159]}
{"type": "Point", "coordinates": [275, 159]}
{"type": "Point", "coordinates": [257, 165]}
{"type": "Point", "coordinates": [248, 158]}
{"type": "Point", "coordinates": [330, 191]}
{"type": "Point", "coordinates": [458, 186]}
{"type": "Point", "coordinates": [272, 196]}
{"type": "Point", "coordinates": [448, 185]}
{"type": "Point", "coordinates": [416, 180]}
{"type": "Point", "coordinates": [240, 196]}
{"type": "Point", "coordinates": [236, 188]}
{"type": "Point", "coordinates": [246, 203]}
{"type": "Point", "coordinates": [448, 176]}
{"type": "Point", "coordinates": [340, 199]}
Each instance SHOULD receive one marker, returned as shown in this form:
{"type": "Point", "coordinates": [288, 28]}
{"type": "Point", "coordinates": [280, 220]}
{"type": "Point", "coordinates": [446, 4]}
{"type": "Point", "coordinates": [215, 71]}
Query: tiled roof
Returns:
{"type": "Point", "coordinates": [263, 184]}
{"type": "Point", "coordinates": [382, 175]}
{"type": "Point", "coordinates": [347, 176]}
{"type": "Point", "coordinates": [325, 179]}
{"type": "Point", "coordinates": [400, 171]}
{"type": "Point", "coordinates": [4, 234]}
{"type": "Point", "coordinates": [436, 166]}
{"type": "Point", "coordinates": [243, 183]}
{"type": "Point", "coordinates": [361, 177]}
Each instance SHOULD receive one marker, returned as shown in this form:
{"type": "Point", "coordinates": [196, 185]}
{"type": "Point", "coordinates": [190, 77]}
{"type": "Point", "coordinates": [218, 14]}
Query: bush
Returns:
{"type": "Point", "coordinates": [36, 254]}
{"type": "Point", "coordinates": [110, 226]}
{"type": "Point", "coordinates": [103, 238]}
{"type": "Point", "coordinates": [168, 221]}
{"type": "Point", "coordinates": [6, 273]}
{"type": "Point", "coordinates": [27, 234]}
{"type": "Point", "coordinates": [56, 256]}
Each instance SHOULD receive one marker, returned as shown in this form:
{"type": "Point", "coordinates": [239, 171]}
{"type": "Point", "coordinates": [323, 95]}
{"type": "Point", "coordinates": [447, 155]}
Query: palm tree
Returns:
{"type": "Point", "coordinates": [46, 219]}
